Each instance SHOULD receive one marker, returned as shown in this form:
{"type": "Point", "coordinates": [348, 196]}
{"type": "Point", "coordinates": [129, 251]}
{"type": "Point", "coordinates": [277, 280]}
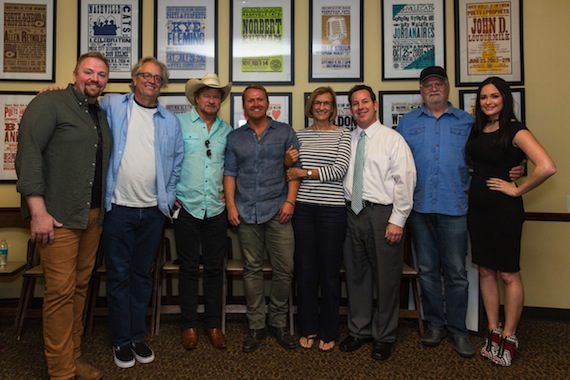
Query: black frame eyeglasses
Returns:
{"type": "Point", "coordinates": [208, 150]}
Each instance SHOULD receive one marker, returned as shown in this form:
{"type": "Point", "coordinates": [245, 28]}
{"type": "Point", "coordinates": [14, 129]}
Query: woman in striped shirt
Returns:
{"type": "Point", "coordinates": [319, 221]}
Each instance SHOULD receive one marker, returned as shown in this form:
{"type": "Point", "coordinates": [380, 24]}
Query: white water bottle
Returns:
{"type": "Point", "coordinates": [3, 253]}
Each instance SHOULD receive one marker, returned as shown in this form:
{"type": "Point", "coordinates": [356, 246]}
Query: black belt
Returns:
{"type": "Point", "coordinates": [364, 204]}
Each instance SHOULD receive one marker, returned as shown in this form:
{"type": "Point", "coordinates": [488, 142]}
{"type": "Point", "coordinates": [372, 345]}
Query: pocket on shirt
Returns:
{"type": "Point", "coordinates": [416, 136]}
{"type": "Point", "coordinates": [458, 137]}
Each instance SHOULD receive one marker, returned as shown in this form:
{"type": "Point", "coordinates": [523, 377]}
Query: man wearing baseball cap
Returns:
{"type": "Point", "coordinates": [436, 133]}
{"type": "Point", "coordinates": [202, 218]}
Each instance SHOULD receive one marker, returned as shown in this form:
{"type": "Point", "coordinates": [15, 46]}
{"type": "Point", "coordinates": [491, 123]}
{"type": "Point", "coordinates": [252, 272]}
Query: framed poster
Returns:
{"type": "Point", "coordinates": [114, 29]}
{"type": "Point", "coordinates": [343, 115]}
{"type": "Point", "coordinates": [413, 37]}
{"type": "Point", "coordinates": [261, 42]}
{"type": "Point", "coordinates": [186, 37]}
{"type": "Point", "coordinates": [176, 102]}
{"type": "Point", "coordinates": [28, 35]}
{"type": "Point", "coordinates": [488, 41]}
{"type": "Point", "coordinates": [335, 42]}
{"type": "Point", "coordinates": [279, 108]}
{"type": "Point", "coordinates": [13, 106]}
{"type": "Point", "coordinates": [467, 99]}
{"type": "Point", "coordinates": [395, 104]}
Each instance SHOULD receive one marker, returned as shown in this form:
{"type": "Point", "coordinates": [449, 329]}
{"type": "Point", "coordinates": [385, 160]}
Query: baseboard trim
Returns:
{"type": "Point", "coordinates": [546, 313]}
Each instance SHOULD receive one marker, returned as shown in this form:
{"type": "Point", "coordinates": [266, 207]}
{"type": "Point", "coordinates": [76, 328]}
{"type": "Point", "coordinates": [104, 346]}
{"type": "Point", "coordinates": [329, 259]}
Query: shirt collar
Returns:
{"type": "Point", "coordinates": [370, 131]}
{"type": "Point", "coordinates": [452, 111]}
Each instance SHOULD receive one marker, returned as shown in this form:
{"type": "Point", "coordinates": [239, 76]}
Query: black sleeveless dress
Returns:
{"type": "Point", "coordinates": [494, 219]}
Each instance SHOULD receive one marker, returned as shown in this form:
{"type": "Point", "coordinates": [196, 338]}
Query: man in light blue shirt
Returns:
{"type": "Point", "coordinates": [436, 133]}
{"type": "Point", "coordinates": [202, 219]}
{"type": "Point", "coordinates": [141, 184]}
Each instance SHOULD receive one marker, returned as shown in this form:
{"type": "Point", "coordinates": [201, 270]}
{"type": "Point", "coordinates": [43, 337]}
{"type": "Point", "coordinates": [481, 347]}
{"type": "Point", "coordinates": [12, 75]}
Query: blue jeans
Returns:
{"type": "Point", "coordinates": [440, 243]}
{"type": "Point", "coordinates": [319, 235]}
{"type": "Point", "coordinates": [131, 237]}
{"type": "Point", "coordinates": [277, 239]}
{"type": "Point", "coordinates": [209, 234]}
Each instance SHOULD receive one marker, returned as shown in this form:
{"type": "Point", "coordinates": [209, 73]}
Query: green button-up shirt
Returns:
{"type": "Point", "coordinates": [56, 158]}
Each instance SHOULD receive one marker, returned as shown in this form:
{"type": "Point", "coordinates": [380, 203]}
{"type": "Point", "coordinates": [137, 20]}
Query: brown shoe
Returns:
{"type": "Point", "coordinates": [217, 338]}
{"type": "Point", "coordinates": [84, 371]}
{"type": "Point", "coordinates": [190, 338]}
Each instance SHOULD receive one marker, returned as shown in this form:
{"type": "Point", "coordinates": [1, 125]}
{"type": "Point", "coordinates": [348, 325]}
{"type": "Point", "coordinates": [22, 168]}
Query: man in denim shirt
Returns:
{"type": "Point", "coordinates": [261, 202]}
{"type": "Point", "coordinates": [437, 132]}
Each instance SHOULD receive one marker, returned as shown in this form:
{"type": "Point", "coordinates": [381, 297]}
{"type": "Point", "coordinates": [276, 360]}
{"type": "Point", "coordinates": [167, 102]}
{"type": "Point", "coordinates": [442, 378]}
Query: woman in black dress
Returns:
{"type": "Point", "coordinates": [496, 214]}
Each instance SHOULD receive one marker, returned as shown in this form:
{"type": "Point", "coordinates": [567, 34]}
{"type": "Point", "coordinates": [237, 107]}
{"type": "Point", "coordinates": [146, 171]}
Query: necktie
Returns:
{"type": "Point", "coordinates": [358, 179]}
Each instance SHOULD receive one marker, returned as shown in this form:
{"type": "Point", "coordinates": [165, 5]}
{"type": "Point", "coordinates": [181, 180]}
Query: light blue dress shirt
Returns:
{"type": "Point", "coordinates": [169, 150]}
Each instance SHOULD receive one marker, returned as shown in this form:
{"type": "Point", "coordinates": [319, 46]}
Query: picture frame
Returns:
{"type": "Point", "coordinates": [176, 102]}
{"type": "Point", "coordinates": [31, 58]}
{"type": "Point", "coordinates": [280, 108]}
{"type": "Point", "coordinates": [186, 53]}
{"type": "Point", "coordinates": [13, 105]}
{"type": "Point", "coordinates": [335, 41]}
{"type": "Point", "coordinates": [488, 41]}
{"type": "Point", "coordinates": [467, 99]}
{"type": "Point", "coordinates": [114, 29]}
{"type": "Point", "coordinates": [413, 37]}
{"type": "Point", "coordinates": [392, 105]}
{"type": "Point", "coordinates": [344, 116]}
{"type": "Point", "coordinates": [262, 56]}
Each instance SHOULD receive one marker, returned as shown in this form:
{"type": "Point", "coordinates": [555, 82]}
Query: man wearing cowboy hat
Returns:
{"type": "Point", "coordinates": [202, 219]}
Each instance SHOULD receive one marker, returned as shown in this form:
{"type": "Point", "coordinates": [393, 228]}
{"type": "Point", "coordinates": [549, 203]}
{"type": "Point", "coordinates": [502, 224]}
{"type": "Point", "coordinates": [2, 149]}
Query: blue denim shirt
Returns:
{"type": "Point", "coordinates": [201, 177]}
{"type": "Point", "coordinates": [169, 149]}
{"type": "Point", "coordinates": [257, 164]}
{"type": "Point", "coordinates": [438, 146]}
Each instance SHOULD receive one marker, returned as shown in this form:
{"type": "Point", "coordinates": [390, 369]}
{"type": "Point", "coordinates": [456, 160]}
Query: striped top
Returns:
{"type": "Point", "coordinates": [329, 153]}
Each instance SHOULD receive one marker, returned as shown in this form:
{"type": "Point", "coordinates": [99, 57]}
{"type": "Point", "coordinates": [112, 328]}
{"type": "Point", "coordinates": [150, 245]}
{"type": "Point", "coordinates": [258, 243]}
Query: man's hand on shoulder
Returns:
{"type": "Point", "coordinates": [51, 88]}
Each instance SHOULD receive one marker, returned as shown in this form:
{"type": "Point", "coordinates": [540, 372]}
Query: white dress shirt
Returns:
{"type": "Point", "coordinates": [389, 171]}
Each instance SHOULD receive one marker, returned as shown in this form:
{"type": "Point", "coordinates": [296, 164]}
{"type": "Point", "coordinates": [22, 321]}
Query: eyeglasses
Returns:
{"type": "Point", "coordinates": [208, 150]}
{"type": "Point", "coordinates": [431, 84]}
{"type": "Point", "coordinates": [326, 103]}
{"type": "Point", "coordinates": [147, 76]}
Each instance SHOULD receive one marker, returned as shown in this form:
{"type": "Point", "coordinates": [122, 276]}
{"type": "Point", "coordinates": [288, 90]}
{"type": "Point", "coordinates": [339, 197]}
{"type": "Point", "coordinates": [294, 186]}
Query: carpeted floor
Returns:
{"type": "Point", "coordinates": [544, 354]}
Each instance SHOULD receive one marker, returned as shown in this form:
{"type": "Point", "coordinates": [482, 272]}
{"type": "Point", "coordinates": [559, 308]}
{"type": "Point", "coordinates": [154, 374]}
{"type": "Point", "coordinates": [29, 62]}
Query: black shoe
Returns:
{"type": "Point", "coordinates": [463, 346]}
{"type": "Point", "coordinates": [124, 356]}
{"type": "Point", "coordinates": [253, 339]}
{"type": "Point", "coordinates": [283, 337]}
{"type": "Point", "coordinates": [352, 343]}
{"type": "Point", "coordinates": [381, 350]}
{"type": "Point", "coordinates": [433, 337]}
{"type": "Point", "coordinates": [142, 352]}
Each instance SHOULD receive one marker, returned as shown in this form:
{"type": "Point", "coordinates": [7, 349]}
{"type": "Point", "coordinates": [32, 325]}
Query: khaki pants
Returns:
{"type": "Point", "coordinates": [68, 264]}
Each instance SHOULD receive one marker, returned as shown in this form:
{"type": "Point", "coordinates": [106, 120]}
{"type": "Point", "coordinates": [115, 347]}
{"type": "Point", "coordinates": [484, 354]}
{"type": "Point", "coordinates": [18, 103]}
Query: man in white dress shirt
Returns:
{"type": "Point", "coordinates": [378, 205]}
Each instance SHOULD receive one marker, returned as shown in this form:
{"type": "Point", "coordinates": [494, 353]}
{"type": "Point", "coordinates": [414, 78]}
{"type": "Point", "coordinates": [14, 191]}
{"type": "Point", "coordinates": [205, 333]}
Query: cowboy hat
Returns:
{"type": "Point", "coordinates": [209, 80]}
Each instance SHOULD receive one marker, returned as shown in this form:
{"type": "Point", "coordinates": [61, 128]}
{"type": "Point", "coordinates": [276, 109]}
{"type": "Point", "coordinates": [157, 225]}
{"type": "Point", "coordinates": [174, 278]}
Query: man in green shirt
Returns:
{"type": "Point", "coordinates": [63, 154]}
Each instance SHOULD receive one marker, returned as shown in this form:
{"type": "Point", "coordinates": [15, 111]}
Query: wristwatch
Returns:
{"type": "Point", "coordinates": [309, 173]}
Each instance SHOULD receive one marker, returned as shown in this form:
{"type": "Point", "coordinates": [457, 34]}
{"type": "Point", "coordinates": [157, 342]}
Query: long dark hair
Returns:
{"type": "Point", "coordinates": [506, 116]}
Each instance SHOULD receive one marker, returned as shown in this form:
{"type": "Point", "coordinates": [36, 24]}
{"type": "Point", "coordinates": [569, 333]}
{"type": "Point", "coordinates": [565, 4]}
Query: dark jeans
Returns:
{"type": "Point", "coordinates": [131, 237]}
{"type": "Point", "coordinates": [440, 242]}
{"type": "Point", "coordinates": [210, 234]}
{"type": "Point", "coordinates": [319, 235]}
